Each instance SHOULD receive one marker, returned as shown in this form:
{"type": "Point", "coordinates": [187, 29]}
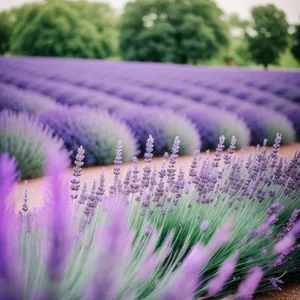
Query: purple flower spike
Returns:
{"type": "Point", "coordinates": [276, 146]}
{"type": "Point", "coordinates": [75, 182]}
{"type": "Point", "coordinates": [216, 284]}
{"type": "Point", "coordinates": [184, 286]}
{"type": "Point", "coordinates": [248, 286]}
{"type": "Point", "coordinates": [284, 244]}
{"type": "Point", "coordinates": [172, 161]}
{"type": "Point", "coordinates": [218, 152]}
{"type": "Point", "coordinates": [115, 239]}
{"type": "Point", "coordinates": [153, 260]}
{"type": "Point", "coordinates": [222, 236]}
{"type": "Point", "coordinates": [117, 163]}
{"type": "Point", "coordinates": [8, 264]}
{"type": "Point", "coordinates": [296, 228]}
{"type": "Point", "coordinates": [58, 234]}
{"type": "Point", "coordinates": [149, 149]}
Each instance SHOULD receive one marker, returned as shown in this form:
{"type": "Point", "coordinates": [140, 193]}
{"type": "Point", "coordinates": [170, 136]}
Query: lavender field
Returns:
{"type": "Point", "coordinates": [223, 225]}
{"type": "Point", "coordinates": [95, 103]}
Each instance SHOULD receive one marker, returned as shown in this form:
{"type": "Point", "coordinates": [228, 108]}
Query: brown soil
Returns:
{"type": "Point", "coordinates": [289, 292]}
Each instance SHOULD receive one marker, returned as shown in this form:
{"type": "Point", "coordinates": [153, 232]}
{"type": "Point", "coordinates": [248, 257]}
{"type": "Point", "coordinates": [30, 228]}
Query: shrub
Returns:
{"type": "Point", "coordinates": [266, 123]}
{"type": "Point", "coordinates": [94, 129]}
{"type": "Point", "coordinates": [23, 137]}
{"type": "Point", "coordinates": [24, 101]}
{"type": "Point", "coordinates": [164, 127]}
{"type": "Point", "coordinates": [144, 237]}
{"type": "Point", "coordinates": [212, 123]}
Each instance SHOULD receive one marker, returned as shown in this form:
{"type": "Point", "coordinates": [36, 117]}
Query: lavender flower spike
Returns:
{"type": "Point", "coordinates": [7, 263]}
{"type": "Point", "coordinates": [75, 182]}
{"type": "Point", "coordinates": [218, 152]}
{"type": "Point", "coordinates": [284, 244]}
{"type": "Point", "coordinates": [216, 284]}
{"type": "Point", "coordinates": [115, 240]}
{"type": "Point", "coordinates": [117, 163]}
{"type": "Point", "coordinates": [221, 237]}
{"type": "Point", "coordinates": [184, 286]}
{"type": "Point", "coordinates": [248, 286]}
{"type": "Point", "coordinates": [58, 233]}
{"type": "Point", "coordinates": [172, 160]}
{"type": "Point", "coordinates": [149, 149]}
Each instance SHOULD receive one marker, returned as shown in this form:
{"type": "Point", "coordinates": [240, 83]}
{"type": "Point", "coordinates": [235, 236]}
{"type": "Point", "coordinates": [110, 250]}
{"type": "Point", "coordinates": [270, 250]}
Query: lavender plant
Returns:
{"type": "Point", "coordinates": [228, 226]}
{"type": "Point", "coordinates": [95, 130]}
{"type": "Point", "coordinates": [28, 141]}
{"type": "Point", "coordinates": [164, 126]}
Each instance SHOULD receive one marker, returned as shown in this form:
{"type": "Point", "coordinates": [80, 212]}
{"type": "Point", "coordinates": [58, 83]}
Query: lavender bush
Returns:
{"type": "Point", "coordinates": [164, 126]}
{"type": "Point", "coordinates": [227, 227]}
{"type": "Point", "coordinates": [96, 130]}
{"type": "Point", "coordinates": [28, 141]}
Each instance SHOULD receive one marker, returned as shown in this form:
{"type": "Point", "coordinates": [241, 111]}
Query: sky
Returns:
{"type": "Point", "coordinates": [242, 7]}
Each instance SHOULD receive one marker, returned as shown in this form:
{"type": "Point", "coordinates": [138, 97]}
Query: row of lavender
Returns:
{"type": "Point", "coordinates": [96, 103]}
{"type": "Point", "coordinates": [177, 88]}
{"type": "Point", "coordinates": [224, 88]}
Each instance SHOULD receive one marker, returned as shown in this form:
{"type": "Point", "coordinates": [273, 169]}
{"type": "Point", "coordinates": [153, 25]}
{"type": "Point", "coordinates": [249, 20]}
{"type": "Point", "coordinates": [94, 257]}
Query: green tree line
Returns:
{"type": "Point", "coordinates": [176, 31]}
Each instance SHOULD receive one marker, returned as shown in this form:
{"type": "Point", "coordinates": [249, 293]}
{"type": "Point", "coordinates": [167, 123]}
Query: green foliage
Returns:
{"type": "Point", "coordinates": [172, 31]}
{"type": "Point", "coordinates": [296, 43]}
{"type": "Point", "coordinates": [287, 60]}
{"type": "Point", "coordinates": [241, 51]}
{"type": "Point", "coordinates": [58, 28]}
{"type": "Point", "coordinates": [5, 31]}
{"type": "Point", "coordinates": [103, 18]}
{"type": "Point", "coordinates": [270, 34]}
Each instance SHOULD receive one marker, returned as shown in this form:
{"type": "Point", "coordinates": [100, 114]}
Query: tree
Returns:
{"type": "Point", "coordinates": [269, 35]}
{"type": "Point", "coordinates": [178, 31]}
{"type": "Point", "coordinates": [5, 31]}
{"type": "Point", "coordinates": [54, 28]}
{"type": "Point", "coordinates": [102, 16]}
{"type": "Point", "coordinates": [296, 43]}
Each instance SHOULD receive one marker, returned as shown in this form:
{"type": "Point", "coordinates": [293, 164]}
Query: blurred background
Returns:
{"type": "Point", "coordinates": [202, 32]}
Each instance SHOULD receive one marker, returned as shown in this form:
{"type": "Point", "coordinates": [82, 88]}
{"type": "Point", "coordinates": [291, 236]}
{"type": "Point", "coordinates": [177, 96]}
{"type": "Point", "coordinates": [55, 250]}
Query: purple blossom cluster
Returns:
{"type": "Point", "coordinates": [155, 235]}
